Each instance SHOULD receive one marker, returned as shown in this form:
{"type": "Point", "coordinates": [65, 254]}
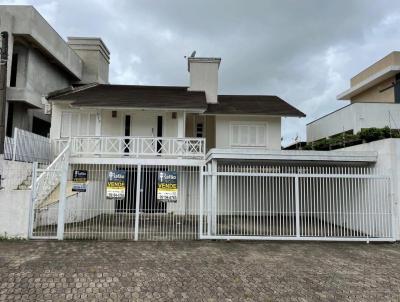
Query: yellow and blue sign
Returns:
{"type": "Point", "coordinates": [167, 186]}
{"type": "Point", "coordinates": [116, 184]}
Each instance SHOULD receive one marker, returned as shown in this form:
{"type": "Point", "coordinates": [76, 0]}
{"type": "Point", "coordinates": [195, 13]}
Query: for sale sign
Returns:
{"type": "Point", "coordinates": [116, 183]}
{"type": "Point", "coordinates": [79, 180]}
{"type": "Point", "coordinates": [167, 186]}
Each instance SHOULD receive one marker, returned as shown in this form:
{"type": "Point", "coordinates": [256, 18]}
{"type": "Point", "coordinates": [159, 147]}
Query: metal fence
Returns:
{"type": "Point", "coordinates": [26, 146]}
{"type": "Point", "coordinates": [48, 197]}
{"type": "Point", "coordinates": [219, 201]}
{"type": "Point", "coordinates": [301, 203]}
{"type": "Point", "coordinates": [137, 216]}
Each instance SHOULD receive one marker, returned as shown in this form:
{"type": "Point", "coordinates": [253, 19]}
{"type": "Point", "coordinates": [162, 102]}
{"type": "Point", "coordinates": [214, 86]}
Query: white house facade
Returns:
{"type": "Point", "coordinates": [139, 162]}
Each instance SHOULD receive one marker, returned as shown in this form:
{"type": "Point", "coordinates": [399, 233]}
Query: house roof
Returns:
{"type": "Point", "coordinates": [253, 104]}
{"type": "Point", "coordinates": [132, 96]}
{"type": "Point", "coordinates": [171, 97]}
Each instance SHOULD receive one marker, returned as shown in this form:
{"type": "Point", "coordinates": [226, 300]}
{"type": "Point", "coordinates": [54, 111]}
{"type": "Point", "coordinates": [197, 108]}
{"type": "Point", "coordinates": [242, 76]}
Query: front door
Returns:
{"type": "Point", "coordinates": [127, 131]}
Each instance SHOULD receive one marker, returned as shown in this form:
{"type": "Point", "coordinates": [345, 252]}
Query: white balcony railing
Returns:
{"type": "Point", "coordinates": [105, 146]}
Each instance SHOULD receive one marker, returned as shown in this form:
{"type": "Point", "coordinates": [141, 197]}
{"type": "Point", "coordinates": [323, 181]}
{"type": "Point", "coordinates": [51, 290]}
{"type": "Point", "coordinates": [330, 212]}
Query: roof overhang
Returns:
{"type": "Point", "coordinates": [359, 158]}
{"type": "Point", "coordinates": [371, 81]}
{"type": "Point", "coordinates": [190, 110]}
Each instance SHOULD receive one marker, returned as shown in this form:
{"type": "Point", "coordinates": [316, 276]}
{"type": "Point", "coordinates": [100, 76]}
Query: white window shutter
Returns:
{"type": "Point", "coordinates": [65, 124]}
{"type": "Point", "coordinates": [250, 134]}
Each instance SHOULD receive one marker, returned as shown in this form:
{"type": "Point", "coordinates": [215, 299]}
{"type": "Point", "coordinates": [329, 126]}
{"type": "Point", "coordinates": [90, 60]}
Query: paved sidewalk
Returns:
{"type": "Point", "coordinates": [198, 271]}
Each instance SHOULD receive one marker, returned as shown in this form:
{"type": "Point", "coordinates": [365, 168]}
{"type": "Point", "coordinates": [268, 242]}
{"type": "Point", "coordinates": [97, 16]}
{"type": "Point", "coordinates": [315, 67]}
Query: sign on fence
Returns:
{"type": "Point", "coordinates": [167, 186]}
{"type": "Point", "coordinates": [79, 180]}
{"type": "Point", "coordinates": [116, 184]}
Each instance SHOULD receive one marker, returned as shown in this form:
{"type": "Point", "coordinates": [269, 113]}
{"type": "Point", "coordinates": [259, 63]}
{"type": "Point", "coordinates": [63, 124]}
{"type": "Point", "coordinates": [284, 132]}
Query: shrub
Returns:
{"type": "Point", "coordinates": [372, 134]}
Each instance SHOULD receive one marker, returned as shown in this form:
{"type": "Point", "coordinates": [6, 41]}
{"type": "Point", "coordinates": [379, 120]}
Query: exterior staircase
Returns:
{"type": "Point", "coordinates": [26, 184]}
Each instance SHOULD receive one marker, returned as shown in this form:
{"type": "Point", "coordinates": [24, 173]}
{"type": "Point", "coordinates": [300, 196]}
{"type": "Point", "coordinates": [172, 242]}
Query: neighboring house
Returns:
{"type": "Point", "coordinates": [374, 98]}
{"type": "Point", "coordinates": [40, 61]}
{"type": "Point", "coordinates": [104, 113]}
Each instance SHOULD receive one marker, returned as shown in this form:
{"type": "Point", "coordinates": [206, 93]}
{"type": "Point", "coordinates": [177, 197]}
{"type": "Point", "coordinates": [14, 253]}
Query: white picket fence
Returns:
{"type": "Point", "coordinates": [26, 146]}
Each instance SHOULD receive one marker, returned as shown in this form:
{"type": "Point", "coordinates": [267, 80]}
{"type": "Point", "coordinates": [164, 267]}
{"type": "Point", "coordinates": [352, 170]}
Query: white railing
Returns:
{"type": "Point", "coordinates": [26, 146]}
{"type": "Point", "coordinates": [135, 146]}
{"type": "Point", "coordinates": [8, 148]}
{"type": "Point", "coordinates": [49, 178]}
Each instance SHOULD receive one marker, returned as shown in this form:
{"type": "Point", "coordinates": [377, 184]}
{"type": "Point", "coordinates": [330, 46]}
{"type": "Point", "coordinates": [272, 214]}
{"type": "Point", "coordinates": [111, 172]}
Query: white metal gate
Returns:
{"type": "Point", "coordinates": [264, 202]}
{"type": "Point", "coordinates": [48, 198]}
{"type": "Point", "coordinates": [216, 201]}
{"type": "Point", "coordinates": [137, 216]}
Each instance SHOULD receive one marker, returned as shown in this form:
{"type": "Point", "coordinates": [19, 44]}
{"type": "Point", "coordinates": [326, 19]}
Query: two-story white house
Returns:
{"type": "Point", "coordinates": [141, 121]}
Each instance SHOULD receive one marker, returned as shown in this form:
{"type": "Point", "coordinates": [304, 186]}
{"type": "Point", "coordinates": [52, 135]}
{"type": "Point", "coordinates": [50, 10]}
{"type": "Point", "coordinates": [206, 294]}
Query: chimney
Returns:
{"type": "Point", "coordinates": [95, 57]}
{"type": "Point", "coordinates": [204, 76]}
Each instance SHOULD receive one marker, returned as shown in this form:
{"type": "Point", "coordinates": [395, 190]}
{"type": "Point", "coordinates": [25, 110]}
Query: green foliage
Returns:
{"type": "Point", "coordinates": [348, 139]}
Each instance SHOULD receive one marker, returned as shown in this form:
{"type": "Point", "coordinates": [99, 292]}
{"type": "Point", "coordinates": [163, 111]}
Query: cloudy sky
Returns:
{"type": "Point", "coordinates": [304, 51]}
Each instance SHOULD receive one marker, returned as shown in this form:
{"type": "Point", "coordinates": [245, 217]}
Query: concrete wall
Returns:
{"type": "Point", "coordinates": [51, 77]}
{"type": "Point", "coordinates": [14, 204]}
{"type": "Point", "coordinates": [14, 214]}
{"type": "Point", "coordinates": [391, 59]}
{"type": "Point", "coordinates": [355, 117]}
{"type": "Point", "coordinates": [379, 93]}
{"type": "Point", "coordinates": [13, 173]}
{"type": "Point", "coordinates": [95, 57]}
{"type": "Point", "coordinates": [223, 129]}
{"type": "Point", "coordinates": [26, 21]}
{"type": "Point", "coordinates": [389, 162]}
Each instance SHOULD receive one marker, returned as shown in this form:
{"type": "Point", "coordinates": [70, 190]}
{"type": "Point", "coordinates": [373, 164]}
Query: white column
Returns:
{"type": "Point", "coordinates": [297, 201]}
{"type": "Point", "coordinates": [181, 124]}
{"type": "Point", "coordinates": [138, 195]}
{"type": "Point", "coordinates": [62, 196]}
{"type": "Point", "coordinates": [201, 199]}
{"type": "Point", "coordinates": [214, 197]}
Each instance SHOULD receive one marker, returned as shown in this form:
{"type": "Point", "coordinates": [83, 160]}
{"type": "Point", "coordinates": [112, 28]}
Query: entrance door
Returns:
{"type": "Point", "coordinates": [127, 132]}
{"type": "Point", "coordinates": [159, 133]}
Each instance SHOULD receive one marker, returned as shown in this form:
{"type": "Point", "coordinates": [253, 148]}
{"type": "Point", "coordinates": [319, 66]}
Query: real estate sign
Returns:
{"type": "Point", "coordinates": [116, 184]}
{"type": "Point", "coordinates": [79, 180]}
{"type": "Point", "coordinates": [167, 186]}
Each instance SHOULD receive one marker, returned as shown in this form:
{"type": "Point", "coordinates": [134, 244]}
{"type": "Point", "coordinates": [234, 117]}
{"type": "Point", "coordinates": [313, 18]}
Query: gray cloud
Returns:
{"type": "Point", "coordinates": [304, 51]}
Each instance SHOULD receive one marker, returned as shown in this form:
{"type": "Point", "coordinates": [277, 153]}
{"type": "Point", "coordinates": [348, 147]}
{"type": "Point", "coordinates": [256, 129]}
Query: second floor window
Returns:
{"type": "Point", "coordinates": [78, 124]}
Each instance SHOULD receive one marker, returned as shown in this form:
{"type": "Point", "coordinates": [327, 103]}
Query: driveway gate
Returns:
{"type": "Point", "coordinates": [216, 201]}
{"type": "Point", "coordinates": [264, 202]}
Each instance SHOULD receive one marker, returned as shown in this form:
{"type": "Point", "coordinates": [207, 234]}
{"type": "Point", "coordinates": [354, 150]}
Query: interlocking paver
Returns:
{"type": "Point", "coordinates": [198, 271]}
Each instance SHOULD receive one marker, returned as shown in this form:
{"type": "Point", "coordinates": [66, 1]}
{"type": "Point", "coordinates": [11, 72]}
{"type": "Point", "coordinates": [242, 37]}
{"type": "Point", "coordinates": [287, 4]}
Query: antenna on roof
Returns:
{"type": "Point", "coordinates": [192, 55]}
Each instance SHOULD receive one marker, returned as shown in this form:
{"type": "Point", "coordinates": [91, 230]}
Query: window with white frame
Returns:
{"type": "Point", "coordinates": [248, 134]}
{"type": "Point", "coordinates": [78, 124]}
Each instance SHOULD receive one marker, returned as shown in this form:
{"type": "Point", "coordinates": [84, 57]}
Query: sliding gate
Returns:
{"type": "Point", "coordinates": [261, 202]}
{"type": "Point", "coordinates": [216, 201]}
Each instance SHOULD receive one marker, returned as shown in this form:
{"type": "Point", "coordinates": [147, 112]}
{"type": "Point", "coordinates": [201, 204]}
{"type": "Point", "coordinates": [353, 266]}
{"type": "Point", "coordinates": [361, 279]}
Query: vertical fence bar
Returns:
{"type": "Point", "coordinates": [296, 186]}
{"type": "Point", "coordinates": [214, 196]}
{"type": "Point", "coordinates": [61, 204]}
{"type": "Point", "coordinates": [138, 196]}
{"type": "Point", "coordinates": [15, 144]}
{"type": "Point", "coordinates": [33, 197]}
{"type": "Point", "coordinates": [201, 200]}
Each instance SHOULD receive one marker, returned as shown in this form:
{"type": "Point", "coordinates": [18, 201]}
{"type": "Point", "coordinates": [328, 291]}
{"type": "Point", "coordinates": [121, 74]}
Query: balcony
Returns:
{"type": "Point", "coordinates": [136, 147]}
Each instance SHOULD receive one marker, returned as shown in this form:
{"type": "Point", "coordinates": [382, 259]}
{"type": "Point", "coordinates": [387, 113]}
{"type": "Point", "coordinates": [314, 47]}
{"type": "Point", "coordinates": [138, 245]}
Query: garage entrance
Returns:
{"type": "Point", "coordinates": [266, 202]}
